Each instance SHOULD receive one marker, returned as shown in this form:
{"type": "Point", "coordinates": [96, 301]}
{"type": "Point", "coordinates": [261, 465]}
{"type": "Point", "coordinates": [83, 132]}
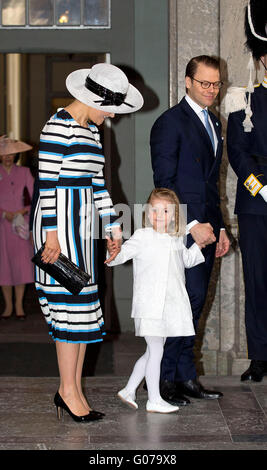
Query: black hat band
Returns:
{"type": "Point", "coordinates": [110, 98]}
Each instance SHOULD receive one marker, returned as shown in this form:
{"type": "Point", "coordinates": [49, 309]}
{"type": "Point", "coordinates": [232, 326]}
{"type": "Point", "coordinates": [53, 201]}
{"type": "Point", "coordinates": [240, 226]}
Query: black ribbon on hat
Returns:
{"type": "Point", "coordinates": [110, 98]}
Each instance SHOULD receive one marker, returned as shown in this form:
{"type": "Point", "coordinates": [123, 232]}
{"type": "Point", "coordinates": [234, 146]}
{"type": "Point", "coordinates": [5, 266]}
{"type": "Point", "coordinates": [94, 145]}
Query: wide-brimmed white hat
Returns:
{"type": "Point", "coordinates": [104, 87]}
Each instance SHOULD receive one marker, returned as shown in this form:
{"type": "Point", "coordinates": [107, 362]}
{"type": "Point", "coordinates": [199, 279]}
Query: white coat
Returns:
{"type": "Point", "coordinates": [150, 251]}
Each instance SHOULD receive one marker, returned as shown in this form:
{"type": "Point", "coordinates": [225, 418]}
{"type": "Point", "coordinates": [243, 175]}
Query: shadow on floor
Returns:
{"type": "Point", "coordinates": [39, 360]}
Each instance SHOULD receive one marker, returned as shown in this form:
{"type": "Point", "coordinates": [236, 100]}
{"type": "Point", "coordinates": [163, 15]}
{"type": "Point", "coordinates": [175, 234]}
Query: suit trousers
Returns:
{"type": "Point", "coordinates": [253, 245]}
{"type": "Point", "coordinates": [177, 364]}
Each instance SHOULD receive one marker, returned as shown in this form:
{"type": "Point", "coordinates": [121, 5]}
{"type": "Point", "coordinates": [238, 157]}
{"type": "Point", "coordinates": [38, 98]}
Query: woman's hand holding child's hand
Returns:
{"type": "Point", "coordinates": [113, 249]}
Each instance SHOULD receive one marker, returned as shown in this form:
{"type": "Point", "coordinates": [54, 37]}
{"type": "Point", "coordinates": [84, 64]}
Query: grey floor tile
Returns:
{"type": "Point", "coordinates": [251, 438]}
{"type": "Point", "coordinates": [161, 440]}
{"type": "Point", "coordinates": [246, 422]}
{"type": "Point", "coordinates": [260, 394]}
{"type": "Point", "coordinates": [236, 400]}
{"type": "Point", "coordinates": [235, 389]}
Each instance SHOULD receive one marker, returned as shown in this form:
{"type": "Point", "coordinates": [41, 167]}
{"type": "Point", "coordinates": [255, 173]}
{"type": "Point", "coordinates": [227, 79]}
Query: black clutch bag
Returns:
{"type": "Point", "coordinates": [64, 271]}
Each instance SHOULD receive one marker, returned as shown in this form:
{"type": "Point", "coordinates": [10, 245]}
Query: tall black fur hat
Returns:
{"type": "Point", "coordinates": [256, 27]}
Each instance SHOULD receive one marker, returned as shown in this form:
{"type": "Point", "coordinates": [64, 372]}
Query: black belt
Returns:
{"type": "Point", "coordinates": [260, 160]}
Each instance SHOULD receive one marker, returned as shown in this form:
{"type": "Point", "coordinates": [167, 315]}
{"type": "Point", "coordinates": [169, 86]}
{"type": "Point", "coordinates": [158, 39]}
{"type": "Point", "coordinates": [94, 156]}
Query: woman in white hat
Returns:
{"type": "Point", "coordinates": [71, 189]}
{"type": "Point", "coordinates": [15, 249]}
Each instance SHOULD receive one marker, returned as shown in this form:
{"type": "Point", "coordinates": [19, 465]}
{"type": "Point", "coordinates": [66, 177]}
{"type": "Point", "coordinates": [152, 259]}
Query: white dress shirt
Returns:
{"type": "Point", "coordinates": [198, 110]}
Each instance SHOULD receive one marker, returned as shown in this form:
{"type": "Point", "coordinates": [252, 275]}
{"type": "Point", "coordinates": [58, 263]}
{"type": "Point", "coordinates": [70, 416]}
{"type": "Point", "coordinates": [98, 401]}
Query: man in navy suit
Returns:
{"type": "Point", "coordinates": [247, 151]}
{"type": "Point", "coordinates": [186, 151]}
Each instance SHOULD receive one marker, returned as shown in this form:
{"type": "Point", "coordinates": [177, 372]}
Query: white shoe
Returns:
{"type": "Point", "coordinates": [127, 398]}
{"type": "Point", "coordinates": [162, 407]}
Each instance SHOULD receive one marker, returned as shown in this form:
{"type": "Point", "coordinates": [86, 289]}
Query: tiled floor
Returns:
{"type": "Point", "coordinates": [28, 420]}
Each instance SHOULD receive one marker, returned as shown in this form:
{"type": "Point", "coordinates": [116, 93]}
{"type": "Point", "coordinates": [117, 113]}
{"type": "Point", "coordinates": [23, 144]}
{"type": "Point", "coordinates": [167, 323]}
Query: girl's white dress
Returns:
{"type": "Point", "coordinates": [176, 319]}
{"type": "Point", "coordinates": [161, 306]}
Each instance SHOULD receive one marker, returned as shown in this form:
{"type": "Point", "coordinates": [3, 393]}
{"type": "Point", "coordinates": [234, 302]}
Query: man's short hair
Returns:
{"type": "Point", "coordinates": [192, 65]}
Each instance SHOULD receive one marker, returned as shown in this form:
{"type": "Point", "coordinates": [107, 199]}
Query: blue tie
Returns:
{"type": "Point", "coordinates": [208, 127]}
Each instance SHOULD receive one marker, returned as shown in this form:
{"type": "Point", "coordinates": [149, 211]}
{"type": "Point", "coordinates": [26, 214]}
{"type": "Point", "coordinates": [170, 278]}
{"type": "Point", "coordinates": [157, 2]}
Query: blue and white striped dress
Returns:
{"type": "Point", "coordinates": [72, 187]}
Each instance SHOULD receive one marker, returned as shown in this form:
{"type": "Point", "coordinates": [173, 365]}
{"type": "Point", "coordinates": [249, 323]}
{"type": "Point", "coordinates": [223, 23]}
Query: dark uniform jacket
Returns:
{"type": "Point", "coordinates": [247, 152]}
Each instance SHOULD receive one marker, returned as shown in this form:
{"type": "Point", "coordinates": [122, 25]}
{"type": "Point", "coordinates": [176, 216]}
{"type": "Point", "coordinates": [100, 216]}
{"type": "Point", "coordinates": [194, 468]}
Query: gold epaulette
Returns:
{"type": "Point", "coordinates": [253, 185]}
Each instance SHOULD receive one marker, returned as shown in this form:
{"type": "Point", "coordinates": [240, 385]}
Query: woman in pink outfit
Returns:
{"type": "Point", "coordinates": [16, 268]}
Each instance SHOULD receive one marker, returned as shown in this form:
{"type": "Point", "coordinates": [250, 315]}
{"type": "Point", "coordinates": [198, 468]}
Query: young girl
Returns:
{"type": "Point", "coordinates": [161, 306]}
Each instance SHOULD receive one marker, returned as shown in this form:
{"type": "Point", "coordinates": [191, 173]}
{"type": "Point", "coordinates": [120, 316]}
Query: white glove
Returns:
{"type": "Point", "coordinates": [263, 192]}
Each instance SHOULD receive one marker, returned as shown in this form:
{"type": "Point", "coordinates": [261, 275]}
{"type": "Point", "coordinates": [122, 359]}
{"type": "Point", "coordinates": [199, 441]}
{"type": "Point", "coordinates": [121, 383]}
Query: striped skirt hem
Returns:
{"type": "Point", "coordinates": [67, 336]}
{"type": "Point", "coordinates": [72, 318]}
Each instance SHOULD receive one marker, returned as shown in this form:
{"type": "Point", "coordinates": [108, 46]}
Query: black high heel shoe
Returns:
{"type": "Point", "coordinates": [61, 405]}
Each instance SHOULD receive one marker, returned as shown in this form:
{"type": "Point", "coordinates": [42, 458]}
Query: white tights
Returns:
{"type": "Point", "coordinates": [148, 366]}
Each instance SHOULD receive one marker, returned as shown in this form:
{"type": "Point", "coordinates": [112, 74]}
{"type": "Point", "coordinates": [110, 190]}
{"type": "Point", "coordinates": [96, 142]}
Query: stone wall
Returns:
{"type": "Point", "coordinates": [215, 27]}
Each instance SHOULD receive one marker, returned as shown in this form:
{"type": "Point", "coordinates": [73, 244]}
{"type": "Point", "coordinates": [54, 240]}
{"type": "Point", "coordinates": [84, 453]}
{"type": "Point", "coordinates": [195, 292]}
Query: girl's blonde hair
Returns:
{"type": "Point", "coordinates": [177, 226]}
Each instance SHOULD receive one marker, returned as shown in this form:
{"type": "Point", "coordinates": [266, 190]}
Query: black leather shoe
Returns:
{"type": "Point", "coordinates": [194, 389]}
{"type": "Point", "coordinates": [169, 393]}
{"type": "Point", "coordinates": [255, 372]}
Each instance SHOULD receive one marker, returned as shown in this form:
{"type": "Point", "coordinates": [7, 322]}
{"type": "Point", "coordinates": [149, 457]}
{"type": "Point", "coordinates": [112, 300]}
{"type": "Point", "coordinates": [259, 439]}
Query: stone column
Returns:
{"type": "Point", "coordinates": [216, 27]}
{"type": "Point", "coordinates": [13, 63]}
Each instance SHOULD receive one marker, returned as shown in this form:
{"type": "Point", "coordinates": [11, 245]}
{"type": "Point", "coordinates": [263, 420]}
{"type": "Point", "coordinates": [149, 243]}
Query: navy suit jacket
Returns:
{"type": "Point", "coordinates": [183, 160]}
{"type": "Point", "coordinates": [247, 152]}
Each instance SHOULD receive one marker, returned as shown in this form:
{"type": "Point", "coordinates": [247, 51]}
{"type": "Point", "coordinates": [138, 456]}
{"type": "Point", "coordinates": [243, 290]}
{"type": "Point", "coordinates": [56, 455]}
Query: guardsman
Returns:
{"type": "Point", "coordinates": [247, 152]}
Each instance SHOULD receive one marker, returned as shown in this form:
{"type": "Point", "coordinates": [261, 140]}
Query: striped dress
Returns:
{"type": "Point", "coordinates": [71, 192]}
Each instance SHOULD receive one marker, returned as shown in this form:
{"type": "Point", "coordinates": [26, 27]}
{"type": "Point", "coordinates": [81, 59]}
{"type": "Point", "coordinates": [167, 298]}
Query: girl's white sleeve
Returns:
{"type": "Point", "coordinates": [192, 256]}
{"type": "Point", "coordinates": [129, 249]}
